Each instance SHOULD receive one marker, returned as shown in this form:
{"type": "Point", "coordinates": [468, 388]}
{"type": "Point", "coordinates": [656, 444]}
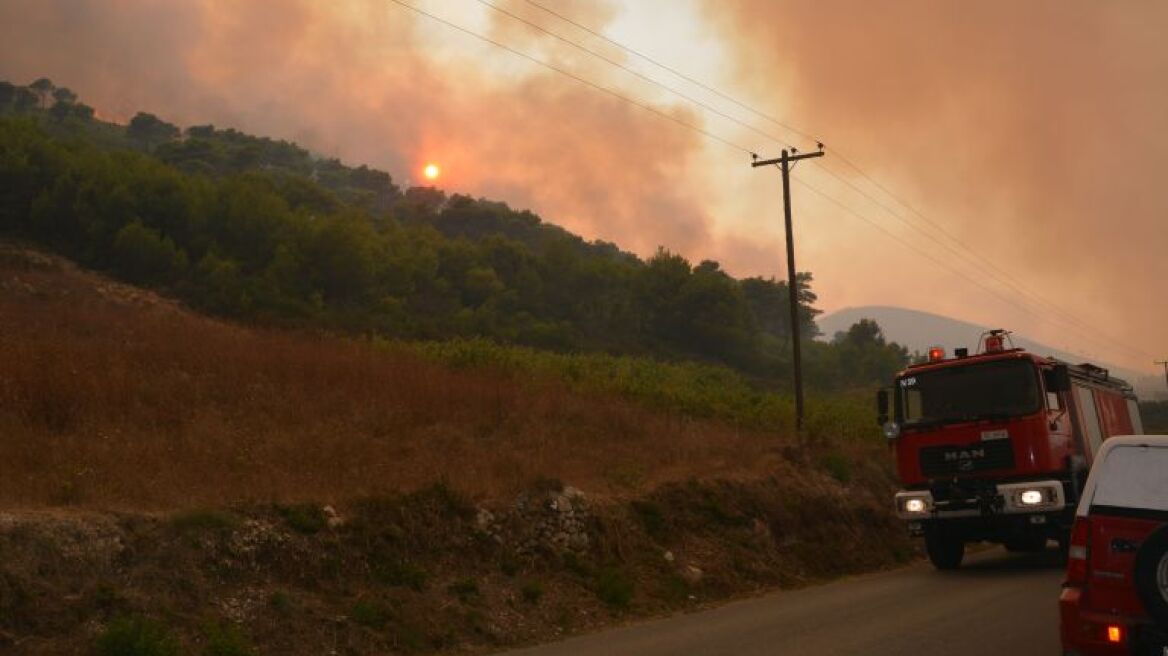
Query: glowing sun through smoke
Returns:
{"type": "Point", "coordinates": [431, 171]}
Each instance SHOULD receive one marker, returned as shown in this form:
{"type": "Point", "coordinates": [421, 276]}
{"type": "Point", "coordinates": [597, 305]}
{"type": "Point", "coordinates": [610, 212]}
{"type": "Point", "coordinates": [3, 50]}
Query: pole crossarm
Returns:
{"type": "Point", "coordinates": [789, 158]}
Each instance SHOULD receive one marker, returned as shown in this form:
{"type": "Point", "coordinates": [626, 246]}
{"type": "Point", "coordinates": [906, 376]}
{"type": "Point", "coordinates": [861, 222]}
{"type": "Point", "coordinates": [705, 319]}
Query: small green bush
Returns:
{"type": "Point", "coordinates": [614, 588]}
{"type": "Point", "coordinates": [304, 518]}
{"type": "Point", "coordinates": [107, 599]}
{"type": "Point", "coordinates": [281, 602]}
{"type": "Point", "coordinates": [675, 589]}
{"type": "Point", "coordinates": [651, 518]}
{"type": "Point", "coordinates": [464, 589]}
{"type": "Point", "coordinates": [226, 640]}
{"type": "Point", "coordinates": [509, 566]}
{"type": "Point", "coordinates": [577, 565]}
{"type": "Point", "coordinates": [198, 521]}
{"type": "Point", "coordinates": [837, 466]}
{"type": "Point", "coordinates": [370, 614]}
{"type": "Point", "coordinates": [136, 636]}
{"type": "Point", "coordinates": [400, 573]}
{"type": "Point", "coordinates": [532, 592]}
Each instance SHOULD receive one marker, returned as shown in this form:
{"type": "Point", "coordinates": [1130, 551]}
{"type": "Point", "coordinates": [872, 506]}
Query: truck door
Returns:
{"type": "Point", "coordinates": [1089, 420]}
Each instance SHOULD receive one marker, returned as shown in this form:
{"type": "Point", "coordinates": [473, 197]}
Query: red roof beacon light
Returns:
{"type": "Point", "coordinates": [936, 353]}
{"type": "Point", "coordinates": [993, 344]}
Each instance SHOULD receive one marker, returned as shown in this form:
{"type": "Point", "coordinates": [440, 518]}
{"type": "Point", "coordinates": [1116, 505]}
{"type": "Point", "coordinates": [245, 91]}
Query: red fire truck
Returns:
{"type": "Point", "coordinates": [996, 446]}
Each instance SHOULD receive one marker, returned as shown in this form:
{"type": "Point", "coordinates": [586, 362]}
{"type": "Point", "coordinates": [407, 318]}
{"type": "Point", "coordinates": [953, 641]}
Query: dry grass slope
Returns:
{"type": "Point", "coordinates": [112, 397]}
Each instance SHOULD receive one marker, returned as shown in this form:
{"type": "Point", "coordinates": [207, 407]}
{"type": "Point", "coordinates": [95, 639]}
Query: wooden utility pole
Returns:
{"type": "Point", "coordinates": [785, 163]}
{"type": "Point", "coordinates": [1164, 363]}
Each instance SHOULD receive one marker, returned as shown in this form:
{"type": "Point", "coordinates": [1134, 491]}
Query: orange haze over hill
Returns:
{"type": "Point", "coordinates": [1031, 132]}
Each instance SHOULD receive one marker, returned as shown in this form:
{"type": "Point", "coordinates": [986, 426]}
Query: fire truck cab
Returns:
{"type": "Point", "coordinates": [996, 446]}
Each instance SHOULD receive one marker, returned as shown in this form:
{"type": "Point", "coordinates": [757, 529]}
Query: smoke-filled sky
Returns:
{"type": "Point", "coordinates": [1033, 134]}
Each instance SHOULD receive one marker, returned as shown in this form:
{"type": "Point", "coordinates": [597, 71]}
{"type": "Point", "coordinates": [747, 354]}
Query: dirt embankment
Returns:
{"type": "Point", "coordinates": [423, 572]}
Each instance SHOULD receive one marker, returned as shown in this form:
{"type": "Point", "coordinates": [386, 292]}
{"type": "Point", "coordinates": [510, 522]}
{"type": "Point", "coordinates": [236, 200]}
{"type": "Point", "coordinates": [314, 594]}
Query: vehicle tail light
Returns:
{"type": "Point", "coordinates": [1114, 633]}
{"type": "Point", "coordinates": [1080, 551]}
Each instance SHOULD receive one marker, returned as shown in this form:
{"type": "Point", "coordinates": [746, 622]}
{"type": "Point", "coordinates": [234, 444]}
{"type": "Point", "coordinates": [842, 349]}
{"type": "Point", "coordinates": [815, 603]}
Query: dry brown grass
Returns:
{"type": "Point", "coordinates": [113, 398]}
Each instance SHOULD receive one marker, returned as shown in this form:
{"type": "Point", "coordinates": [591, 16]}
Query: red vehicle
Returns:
{"type": "Point", "coordinates": [996, 446]}
{"type": "Point", "coordinates": [1115, 597]}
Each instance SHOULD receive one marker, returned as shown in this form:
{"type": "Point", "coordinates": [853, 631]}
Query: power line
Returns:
{"type": "Point", "coordinates": [974, 259]}
{"type": "Point", "coordinates": [922, 253]}
{"type": "Point", "coordinates": [1084, 330]}
{"type": "Point", "coordinates": [674, 71]}
{"type": "Point", "coordinates": [593, 85]}
{"type": "Point", "coordinates": [967, 254]}
{"type": "Point", "coordinates": [893, 236]}
{"type": "Point", "coordinates": [632, 71]}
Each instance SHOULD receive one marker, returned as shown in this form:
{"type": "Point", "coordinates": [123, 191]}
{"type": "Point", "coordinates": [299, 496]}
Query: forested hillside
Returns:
{"type": "Point", "coordinates": [265, 231]}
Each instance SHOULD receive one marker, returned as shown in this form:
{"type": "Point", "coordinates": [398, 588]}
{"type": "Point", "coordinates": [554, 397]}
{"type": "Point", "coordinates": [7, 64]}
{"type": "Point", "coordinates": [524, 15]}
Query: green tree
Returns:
{"type": "Point", "coordinates": [42, 87]}
{"type": "Point", "coordinates": [249, 219]}
{"type": "Point", "coordinates": [342, 250]}
{"type": "Point", "coordinates": [25, 100]}
{"type": "Point", "coordinates": [220, 286]}
{"type": "Point", "coordinates": [83, 112]}
{"type": "Point", "coordinates": [660, 283]}
{"type": "Point", "coordinates": [863, 356]}
{"type": "Point", "coordinates": [7, 94]}
{"type": "Point", "coordinates": [150, 131]}
{"type": "Point", "coordinates": [143, 255]}
{"type": "Point", "coordinates": [64, 95]}
{"type": "Point", "coordinates": [714, 318]}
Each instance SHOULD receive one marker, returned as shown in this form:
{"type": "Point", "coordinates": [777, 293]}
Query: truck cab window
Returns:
{"type": "Point", "coordinates": [988, 390]}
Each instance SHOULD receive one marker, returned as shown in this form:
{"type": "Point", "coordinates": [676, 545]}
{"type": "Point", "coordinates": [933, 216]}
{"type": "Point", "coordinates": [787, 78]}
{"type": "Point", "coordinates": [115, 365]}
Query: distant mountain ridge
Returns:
{"type": "Point", "coordinates": [919, 330]}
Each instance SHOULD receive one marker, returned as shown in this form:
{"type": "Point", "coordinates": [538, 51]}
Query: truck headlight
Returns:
{"type": "Point", "coordinates": [1031, 497]}
{"type": "Point", "coordinates": [891, 430]}
{"type": "Point", "coordinates": [914, 504]}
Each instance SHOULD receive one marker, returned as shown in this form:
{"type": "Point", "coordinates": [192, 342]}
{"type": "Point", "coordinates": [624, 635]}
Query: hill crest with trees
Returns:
{"type": "Point", "coordinates": [262, 230]}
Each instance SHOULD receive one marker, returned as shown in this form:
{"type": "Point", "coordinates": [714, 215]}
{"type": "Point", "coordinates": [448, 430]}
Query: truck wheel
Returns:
{"type": "Point", "coordinates": [1151, 575]}
{"type": "Point", "coordinates": [1025, 544]}
{"type": "Point", "coordinates": [945, 549]}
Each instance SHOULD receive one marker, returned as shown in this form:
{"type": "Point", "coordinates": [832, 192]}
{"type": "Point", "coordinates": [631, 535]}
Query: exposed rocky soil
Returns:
{"type": "Point", "coordinates": [425, 572]}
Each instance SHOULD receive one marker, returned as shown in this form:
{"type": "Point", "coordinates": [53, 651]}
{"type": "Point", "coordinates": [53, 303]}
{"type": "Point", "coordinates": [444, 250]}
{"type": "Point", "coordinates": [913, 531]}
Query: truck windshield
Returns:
{"type": "Point", "coordinates": [989, 390]}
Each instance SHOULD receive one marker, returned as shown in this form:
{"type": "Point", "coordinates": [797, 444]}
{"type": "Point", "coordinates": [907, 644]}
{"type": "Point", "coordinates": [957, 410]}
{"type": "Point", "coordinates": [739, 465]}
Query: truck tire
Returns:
{"type": "Point", "coordinates": [945, 549]}
{"type": "Point", "coordinates": [1151, 575]}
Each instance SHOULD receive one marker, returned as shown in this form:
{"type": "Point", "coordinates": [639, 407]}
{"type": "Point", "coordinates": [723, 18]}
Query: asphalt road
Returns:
{"type": "Point", "coordinates": [998, 603]}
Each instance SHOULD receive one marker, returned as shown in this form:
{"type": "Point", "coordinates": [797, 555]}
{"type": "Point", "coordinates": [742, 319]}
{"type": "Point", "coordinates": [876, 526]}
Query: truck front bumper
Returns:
{"type": "Point", "coordinates": [1037, 498]}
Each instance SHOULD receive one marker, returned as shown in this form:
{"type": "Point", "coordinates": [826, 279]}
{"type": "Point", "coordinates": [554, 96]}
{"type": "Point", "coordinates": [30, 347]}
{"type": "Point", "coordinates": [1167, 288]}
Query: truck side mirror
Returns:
{"type": "Point", "coordinates": [882, 407]}
{"type": "Point", "coordinates": [1057, 379]}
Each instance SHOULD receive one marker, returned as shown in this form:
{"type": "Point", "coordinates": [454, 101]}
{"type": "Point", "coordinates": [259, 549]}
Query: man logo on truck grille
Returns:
{"type": "Point", "coordinates": [965, 456]}
{"type": "Point", "coordinates": [951, 459]}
